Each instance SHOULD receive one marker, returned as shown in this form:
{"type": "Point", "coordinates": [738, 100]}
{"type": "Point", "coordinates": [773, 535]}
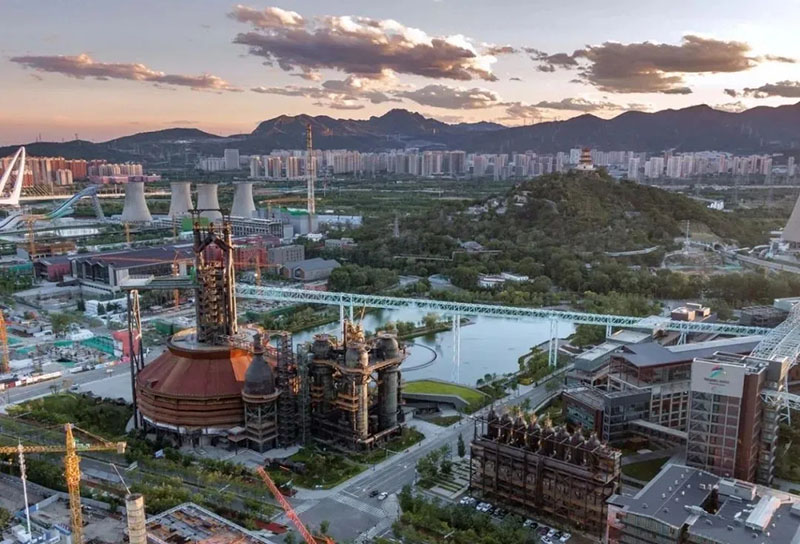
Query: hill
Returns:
{"type": "Point", "coordinates": [697, 128]}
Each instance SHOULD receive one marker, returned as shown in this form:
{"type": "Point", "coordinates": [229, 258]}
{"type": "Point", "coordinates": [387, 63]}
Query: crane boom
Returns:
{"type": "Point", "coordinates": [290, 513]}
{"type": "Point", "coordinates": [72, 471]}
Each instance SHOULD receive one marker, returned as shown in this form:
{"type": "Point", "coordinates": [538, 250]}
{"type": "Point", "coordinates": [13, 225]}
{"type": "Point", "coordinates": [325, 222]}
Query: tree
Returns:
{"type": "Point", "coordinates": [324, 525]}
{"type": "Point", "coordinates": [430, 320]}
{"type": "Point", "coordinates": [101, 309]}
{"type": "Point", "coordinates": [290, 538]}
{"type": "Point", "coordinates": [462, 449]}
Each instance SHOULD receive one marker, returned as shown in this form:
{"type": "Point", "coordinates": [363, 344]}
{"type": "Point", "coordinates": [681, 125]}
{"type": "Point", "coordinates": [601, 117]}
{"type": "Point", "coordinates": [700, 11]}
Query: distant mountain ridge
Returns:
{"type": "Point", "coordinates": [697, 128]}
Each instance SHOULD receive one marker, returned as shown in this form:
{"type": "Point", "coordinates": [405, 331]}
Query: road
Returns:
{"type": "Point", "coordinates": [348, 507]}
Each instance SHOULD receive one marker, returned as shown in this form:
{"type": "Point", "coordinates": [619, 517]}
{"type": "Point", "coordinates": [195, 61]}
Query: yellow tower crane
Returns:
{"type": "Point", "coordinates": [72, 471]}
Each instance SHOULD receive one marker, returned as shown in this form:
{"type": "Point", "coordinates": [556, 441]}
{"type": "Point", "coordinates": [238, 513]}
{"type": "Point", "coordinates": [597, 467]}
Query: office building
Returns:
{"type": "Point", "coordinates": [734, 408]}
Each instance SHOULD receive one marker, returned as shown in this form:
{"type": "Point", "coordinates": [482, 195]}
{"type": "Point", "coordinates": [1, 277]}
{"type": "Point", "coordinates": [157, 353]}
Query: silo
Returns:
{"type": "Point", "coordinates": [137, 531]}
{"type": "Point", "coordinates": [207, 200]}
{"type": "Point", "coordinates": [243, 205]}
{"type": "Point", "coordinates": [135, 208]}
{"type": "Point", "coordinates": [181, 201]}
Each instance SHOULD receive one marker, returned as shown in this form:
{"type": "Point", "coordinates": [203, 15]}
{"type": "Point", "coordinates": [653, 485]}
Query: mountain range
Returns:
{"type": "Point", "coordinates": [697, 128]}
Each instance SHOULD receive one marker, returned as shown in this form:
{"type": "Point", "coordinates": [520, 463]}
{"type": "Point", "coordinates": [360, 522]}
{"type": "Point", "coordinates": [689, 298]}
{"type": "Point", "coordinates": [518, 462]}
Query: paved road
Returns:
{"type": "Point", "coordinates": [348, 507]}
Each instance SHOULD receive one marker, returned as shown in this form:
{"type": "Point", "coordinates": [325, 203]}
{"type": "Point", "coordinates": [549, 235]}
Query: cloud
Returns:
{"type": "Point", "coordinates": [271, 17]}
{"type": "Point", "coordinates": [786, 89]}
{"type": "Point", "coordinates": [648, 67]}
{"type": "Point", "coordinates": [731, 92]}
{"type": "Point", "coordinates": [577, 104]}
{"type": "Point", "coordinates": [444, 96]}
{"type": "Point", "coordinates": [359, 45]}
{"type": "Point", "coordinates": [778, 58]}
{"type": "Point", "coordinates": [83, 66]}
{"type": "Point", "coordinates": [732, 107]}
{"type": "Point", "coordinates": [677, 90]}
{"type": "Point", "coordinates": [346, 92]}
{"type": "Point", "coordinates": [499, 50]}
{"type": "Point", "coordinates": [517, 111]}
{"type": "Point", "coordinates": [340, 105]}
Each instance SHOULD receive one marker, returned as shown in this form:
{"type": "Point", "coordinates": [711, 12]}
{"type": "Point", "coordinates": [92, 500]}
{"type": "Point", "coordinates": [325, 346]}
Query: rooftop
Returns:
{"type": "Point", "coordinates": [189, 522]}
{"type": "Point", "coordinates": [654, 354]}
{"type": "Point", "coordinates": [747, 513]}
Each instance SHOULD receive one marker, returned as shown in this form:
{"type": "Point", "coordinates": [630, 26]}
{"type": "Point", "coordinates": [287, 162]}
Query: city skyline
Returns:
{"type": "Point", "coordinates": [224, 67]}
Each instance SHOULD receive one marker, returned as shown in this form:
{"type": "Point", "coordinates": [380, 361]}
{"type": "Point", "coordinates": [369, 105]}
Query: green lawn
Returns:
{"type": "Point", "coordinates": [473, 397]}
{"type": "Point", "coordinates": [444, 421]}
{"type": "Point", "coordinates": [646, 470]}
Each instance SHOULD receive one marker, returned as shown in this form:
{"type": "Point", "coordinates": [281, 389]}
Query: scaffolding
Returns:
{"type": "Point", "coordinates": [287, 383]}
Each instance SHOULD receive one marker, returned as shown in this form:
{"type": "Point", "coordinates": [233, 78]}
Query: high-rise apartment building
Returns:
{"type": "Point", "coordinates": [231, 159]}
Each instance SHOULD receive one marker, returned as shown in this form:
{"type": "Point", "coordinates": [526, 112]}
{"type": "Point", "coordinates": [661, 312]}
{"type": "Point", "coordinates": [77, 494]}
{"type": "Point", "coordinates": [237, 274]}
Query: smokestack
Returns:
{"type": "Point", "coordinates": [135, 208]}
{"type": "Point", "coordinates": [207, 200]}
{"type": "Point", "coordinates": [243, 205]}
{"type": "Point", "coordinates": [181, 201]}
{"type": "Point", "coordinates": [134, 506]}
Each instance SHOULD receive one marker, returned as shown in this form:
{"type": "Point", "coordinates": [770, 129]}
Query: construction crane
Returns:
{"type": "Point", "coordinates": [72, 471]}
{"type": "Point", "coordinates": [5, 362]}
{"type": "Point", "coordinates": [290, 513]}
{"type": "Point", "coordinates": [176, 268]}
{"type": "Point", "coordinates": [310, 168]}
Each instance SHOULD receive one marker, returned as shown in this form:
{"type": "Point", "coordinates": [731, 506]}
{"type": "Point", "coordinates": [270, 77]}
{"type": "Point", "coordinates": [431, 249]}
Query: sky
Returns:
{"type": "Point", "coordinates": [100, 69]}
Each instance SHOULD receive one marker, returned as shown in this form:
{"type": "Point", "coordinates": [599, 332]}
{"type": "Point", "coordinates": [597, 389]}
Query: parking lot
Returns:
{"type": "Point", "coordinates": [545, 533]}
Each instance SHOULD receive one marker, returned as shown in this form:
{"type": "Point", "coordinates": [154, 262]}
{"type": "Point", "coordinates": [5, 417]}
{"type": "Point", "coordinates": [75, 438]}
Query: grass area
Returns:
{"type": "Point", "coordinates": [443, 421]}
{"type": "Point", "coordinates": [398, 444]}
{"type": "Point", "coordinates": [646, 470]}
{"type": "Point", "coordinates": [324, 470]}
{"type": "Point", "coordinates": [471, 396]}
{"type": "Point", "coordinates": [92, 414]}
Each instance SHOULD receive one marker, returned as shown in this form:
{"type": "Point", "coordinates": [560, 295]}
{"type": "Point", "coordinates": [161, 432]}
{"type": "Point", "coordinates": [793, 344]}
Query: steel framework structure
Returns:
{"type": "Point", "coordinates": [490, 310]}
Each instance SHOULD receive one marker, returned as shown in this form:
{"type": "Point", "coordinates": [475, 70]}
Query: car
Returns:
{"type": "Point", "coordinates": [374, 493]}
{"type": "Point", "coordinates": [530, 524]}
{"type": "Point", "coordinates": [546, 540]}
{"type": "Point", "coordinates": [551, 533]}
{"type": "Point", "coordinates": [383, 496]}
{"type": "Point", "coordinates": [543, 530]}
{"type": "Point", "coordinates": [565, 537]}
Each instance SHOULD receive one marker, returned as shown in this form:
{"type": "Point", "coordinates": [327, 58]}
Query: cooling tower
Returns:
{"type": "Point", "coordinates": [207, 200]}
{"type": "Point", "coordinates": [243, 205]}
{"type": "Point", "coordinates": [135, 207]}
{"type": "Point", "coordinates": [181, 201]}
{"type": "Point", "coordinates": [791, 232]}
{"type": "Point", "coordinates": [137, 531]}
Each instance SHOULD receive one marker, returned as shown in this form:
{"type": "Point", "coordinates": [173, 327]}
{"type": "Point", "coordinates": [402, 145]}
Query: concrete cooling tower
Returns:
{"type": "Point", "coordinates": [243, 205]}
{"type": "Point", "coordinates": [135, 208]}
{"type": "Point", "coordinates": [181, 201]}
{"type": "Point", "coordinates": [207, 200]}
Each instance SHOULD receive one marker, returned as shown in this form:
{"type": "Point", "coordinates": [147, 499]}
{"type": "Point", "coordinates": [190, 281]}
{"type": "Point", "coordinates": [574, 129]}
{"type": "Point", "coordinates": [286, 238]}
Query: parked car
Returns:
{"type": "Point", "coordinates": [551, 533]}
{"type": "Point", "coordinates": [565, 537]}
{"type": "Point", "coordinates": [383, 496]}
{"type": "Point", "coordinates": [530, 524]}
{"type": "Point", "coordinates": [546, 540]}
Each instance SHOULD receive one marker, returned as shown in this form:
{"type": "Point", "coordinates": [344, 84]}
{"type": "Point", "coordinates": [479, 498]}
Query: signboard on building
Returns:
{"type": "Point", "coordinates": [717, 378]}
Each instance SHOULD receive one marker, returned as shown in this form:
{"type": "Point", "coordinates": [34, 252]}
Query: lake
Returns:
{"type": "Point", "coordinates": [488, 344]}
